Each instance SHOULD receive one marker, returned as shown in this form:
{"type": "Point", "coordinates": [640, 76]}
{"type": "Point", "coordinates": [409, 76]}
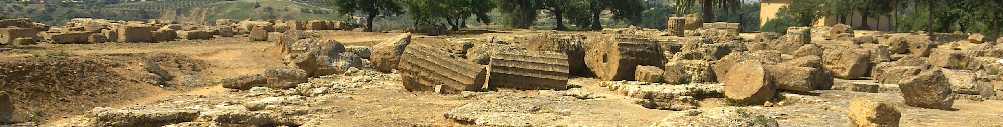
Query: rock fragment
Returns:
{"type": "Point", "coordinates": [386, 55]}
{"type": "Point", "coordinates": [648, 74]}
{"type": "Point", "coordinates": [866, 112]}
{"type": "Point", "coordinates": [929, 89]}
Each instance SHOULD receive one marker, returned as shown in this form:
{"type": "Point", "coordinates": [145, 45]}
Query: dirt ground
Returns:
{"type": "Point", "coordinates": [57, 85]}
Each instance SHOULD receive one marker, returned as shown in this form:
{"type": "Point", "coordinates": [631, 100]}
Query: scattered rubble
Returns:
{"type": "Point", "coordinates": [278, 78]}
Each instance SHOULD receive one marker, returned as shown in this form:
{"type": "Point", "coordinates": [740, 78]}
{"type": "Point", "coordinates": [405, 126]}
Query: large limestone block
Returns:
{"type": "Point", "coordinates": [386, 55]}
{"type": "Point", "coordinates": [800, 79]}
{"type": "Point", "coordinates": [617, 58]}
{"type": "Point", "coordinates": [929, 89]}
{"type": "Point", "coordinates": [847, 63]}
{"type": "Point", "coordinates": [135, 33]}
{"type": "Point", "coordinates": [530, 70]}
{"type": "Point", "coordinates": [648, 74]}
{"type": "Point", "coordinates": [749, 83]}
{"type": "Point", "coordinates": [867, 112]}
{"type": "Point", "coordinates": [424, 68]}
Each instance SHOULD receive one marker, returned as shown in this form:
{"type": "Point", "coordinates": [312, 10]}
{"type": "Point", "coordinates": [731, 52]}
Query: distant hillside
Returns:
{"type": "Point", "coordinates": [178, 10]}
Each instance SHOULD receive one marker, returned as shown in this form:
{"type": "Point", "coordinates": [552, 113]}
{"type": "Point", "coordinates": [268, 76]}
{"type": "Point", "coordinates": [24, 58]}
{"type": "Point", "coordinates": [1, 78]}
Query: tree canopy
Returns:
{"type": "Point", "coordinates": [371, 8]}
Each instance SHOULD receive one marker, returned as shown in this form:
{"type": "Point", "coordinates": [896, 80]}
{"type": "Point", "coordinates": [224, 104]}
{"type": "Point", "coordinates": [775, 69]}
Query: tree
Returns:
{"type": "Point", "coordinates": [708, 6]}
{"type": "Point", "coordinates": [453, 12]}
{"type": "Point", "coordinates": [371, 8]}
{"type": "Point", "coordinates": [519, 13]}
{"type": "Point", "coordinates": [629, 10]}
{"type": "Point", "coordinates": [798, 13]}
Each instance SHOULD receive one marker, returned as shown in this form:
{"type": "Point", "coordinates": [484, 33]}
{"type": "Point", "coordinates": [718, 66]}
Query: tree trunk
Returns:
{"type": "Point", "coordinates": [863, 19]}
{"type": "Point", "coordinates": [929, 17]}
{"type": "Point", "coordinates": [453, 25]}
{"type": "Point", "coordinates": [369, 22]}
{"type": "Point", "coordinates": [463, 22]}
{"type": "Point", "coordinates": [596, 10]}
{"type": "Point", "coordinates": [708, 11]}
{"type": "Point", "coordinates": [559, 19]}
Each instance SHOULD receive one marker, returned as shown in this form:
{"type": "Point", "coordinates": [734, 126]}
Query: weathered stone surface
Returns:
{"type": "Point", "coordinates": [721, 67]}
{"type": "Point", "coordinates": [106, 117]}
{"type": "Point", "coordinates": [929, 89]}
{"type": "Point", "coordinates": [236, 115]}
{"type": "Point", "coordinates": [897, 44]}
{"type": "Point", "coordinates": [616, 59]}
{"type": "Point", "coordinates": [892, 75]}
{"type": "Point", "coordinates": [572, 45]}
{"type": "Point", "coordinates": [724, 28]}
{"type": "Point", "coordinates": [282, 78]}
{"type": "Point", "coordinates": [748, 83]}
{"type": "Point", "coordinates": [809, 50]}
{"type": "Point", "coordinates": [277, 78]}
{"type": "Point", "coordinates": [689, 71]}
{"type": "Point", "coordinates": [879, 53]}
{"type": "Point", "coordinates": [24, 41]}
{"type": "Point", "coordinates": [532, 70]}
{"type": "Point", "coordinates": [515, 111]}
{"type": "Point", "coordinates": [648, 74]}
{"type": "Point", "coordinates": [806, 61]}
{"type": "Point", "coordinates": [6, 108]}
{"type": "Point", "coordinates": [135, 33]}
{"type": "Point", "coordinates": [919, 45]}
{"type": "Point", "coordinates": [8, 35]}
{"type": "Point", "coordinates": [665, 97]}
{"type": "Point", "coordinates": [867, 112]}
{"type": "Point", "coordinates": [318, 57]}
{"type": "Point", "coordinates": [195, 35]}
{"type": "Point", "coordinates": [949, 58]}
{"type": "Point", "coordinates": [725, 116]}
{"type": "Point", "coordinates": [386, 55]}
{"type": "Point", "coordinates": [258, 33]}
{"type": "Point", "coordinates": [96, 38]}
{"type": "Point", "coordinates": [676, 26]}
{"type": "Point", "coordinates": [798, 35]}
{"type": "Point", "coordinates": [976, 38]}
{"type": "Point", "coordinates": [67, 38]}
{"type": "Point", "coordinates": [362, 51]}
{"type": "Point", "coordinates": [244, 82]}
{"type": "Point", "coordinates": [864, 87]}
{"type": "Point", "coordinates": [965, 82]}
{"type": "Point", "coordinates": [693, 22]}
{"type": "Point", "coordinates": [800, 79]}
{"type": "Point", "coordinates": [164, 35]}
{"type": "Point", "coordinates": [225, 31]}
{"type": "Point", "coordinates": [675, 74]}
{"type": "Point", "coordinates": [847, 63]}
{"type": "Point", "coordinates": [839, 31]}
{"type": "Point", "coordinates": [424, 68]}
